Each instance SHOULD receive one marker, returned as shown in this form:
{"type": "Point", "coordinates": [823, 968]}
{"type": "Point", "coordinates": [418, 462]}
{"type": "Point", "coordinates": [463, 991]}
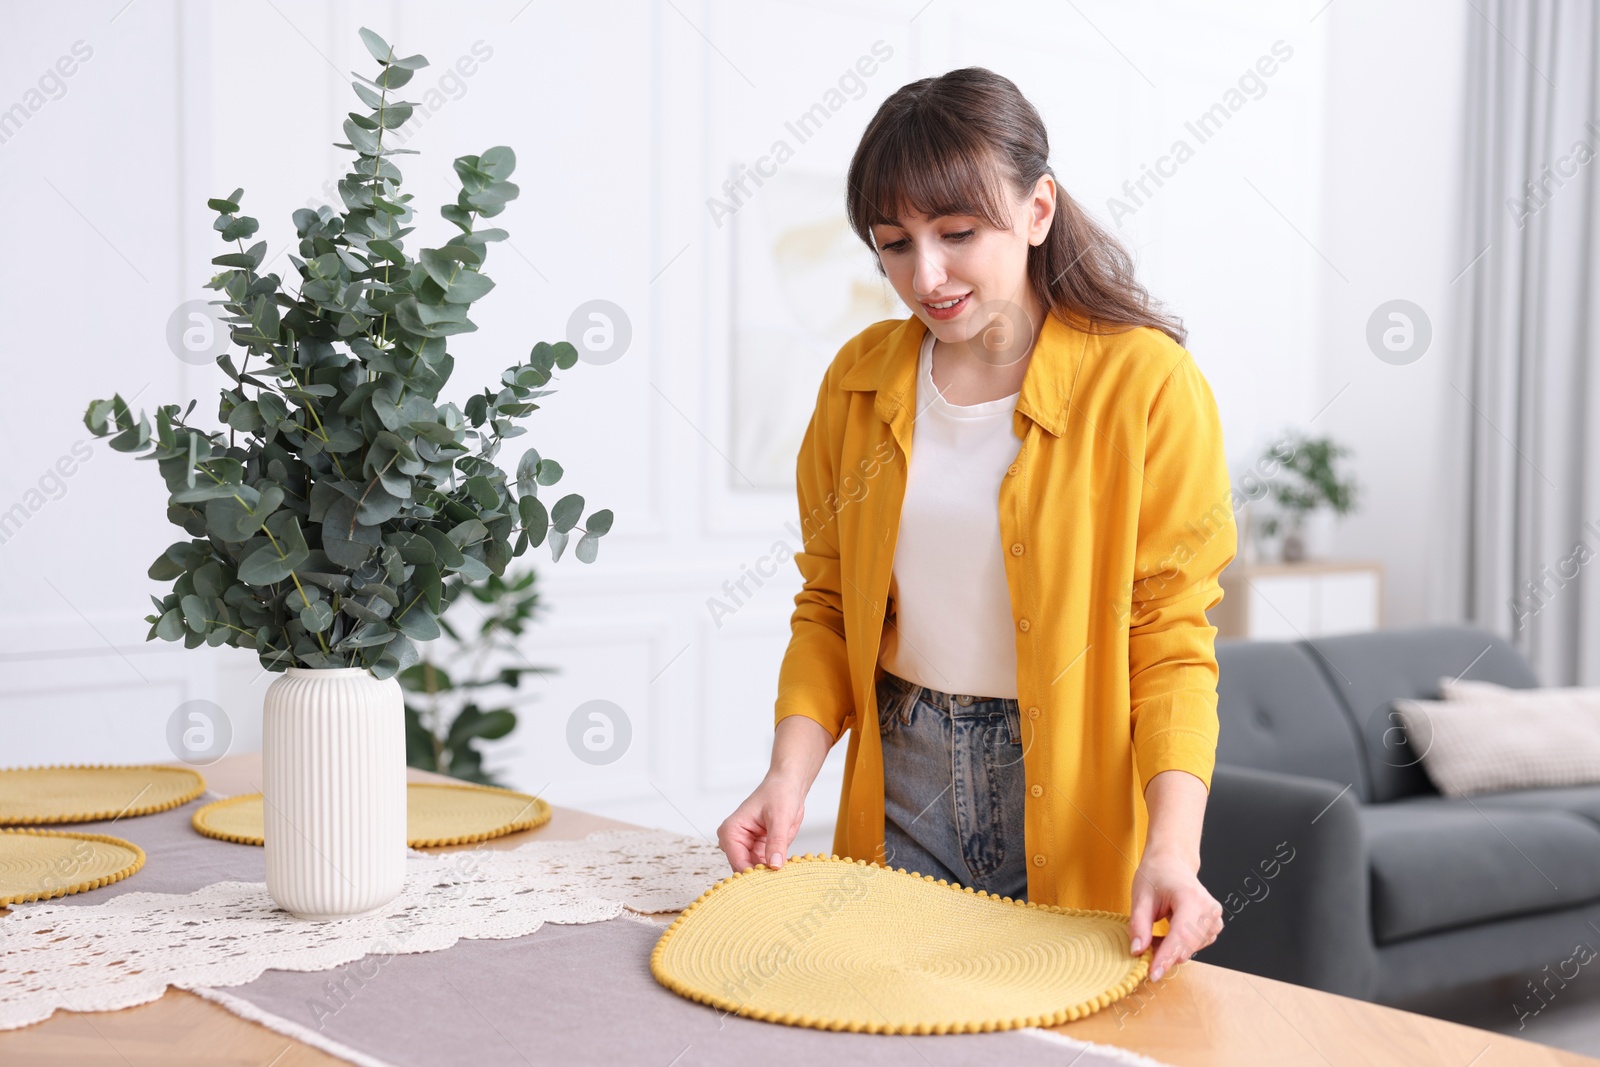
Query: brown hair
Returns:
{"type": "Point", "coordinates": [937, 147]}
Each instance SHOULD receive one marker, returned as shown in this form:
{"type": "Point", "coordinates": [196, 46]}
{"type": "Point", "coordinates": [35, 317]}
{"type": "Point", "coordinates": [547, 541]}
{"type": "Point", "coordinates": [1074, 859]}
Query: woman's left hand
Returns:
{"type": "Point", "coordinates": [1165, 886]}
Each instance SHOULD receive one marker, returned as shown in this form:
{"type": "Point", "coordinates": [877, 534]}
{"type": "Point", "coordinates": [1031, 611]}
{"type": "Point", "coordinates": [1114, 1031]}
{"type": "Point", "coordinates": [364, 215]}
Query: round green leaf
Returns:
{"type": "Point", "coordinates": [317, 616]}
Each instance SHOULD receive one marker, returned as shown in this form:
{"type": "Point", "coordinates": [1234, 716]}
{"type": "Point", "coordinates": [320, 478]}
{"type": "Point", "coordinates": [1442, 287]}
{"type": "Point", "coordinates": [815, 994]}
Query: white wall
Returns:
{"type": "Point", "coordinates": [1391, 215]}
{"type": "Point", "coordinates": [625, 119]}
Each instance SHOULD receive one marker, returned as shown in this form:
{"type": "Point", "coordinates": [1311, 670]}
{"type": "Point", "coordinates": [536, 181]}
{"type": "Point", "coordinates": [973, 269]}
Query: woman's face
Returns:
{"type": "Point", "coordinates": [934, 260]}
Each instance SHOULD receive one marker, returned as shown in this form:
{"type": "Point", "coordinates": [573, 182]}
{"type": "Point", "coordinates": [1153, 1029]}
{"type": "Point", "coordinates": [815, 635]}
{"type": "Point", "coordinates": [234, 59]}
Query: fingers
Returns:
{"type": "Point", "coordinates": [760, 850]}
{"type": "Point", "coordinates": [1144, 914]}
{"type": "Point", "coordinates": [1195, 923]}
{"type": "Point", "coordinates": [740, 837]}
{"type": "Point", "coordinates": [736, 850]}
{"type": "Point", "coordinates": [745, 840]}
{"type": "Point", "coordinates": [1171, 952]}
{"type": "Point", "coordinates": [760, 832]}
{"type": "Point", "coordinates": [780, 837]}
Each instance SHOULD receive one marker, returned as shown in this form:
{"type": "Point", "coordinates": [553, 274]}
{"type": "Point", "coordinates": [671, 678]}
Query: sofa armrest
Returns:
{"type": "Point", "coordinates": [1286, 857]}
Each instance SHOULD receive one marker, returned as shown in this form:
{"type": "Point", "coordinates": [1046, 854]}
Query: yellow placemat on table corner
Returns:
{"type": "Point", "coordinates": [840, 944]}
{"type": "Point", "coordinates": [437, 813]}
{"type": "Point", "coordinates": [31, 796]}
{"type": "Point", "coordinates": [41, 864]}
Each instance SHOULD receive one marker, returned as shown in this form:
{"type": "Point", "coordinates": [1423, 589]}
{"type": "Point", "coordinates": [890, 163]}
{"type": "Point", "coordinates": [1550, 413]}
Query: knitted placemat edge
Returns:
{"type": "Point", "coordinates": [542, 813]}
{"type": "Point", "coordinates": [1075, 1012]}
{"type": "Point", "coordinates": [80, 887]}
{"type": "Point", "coordinates": [152, 809]}
{"type": "Point", "coordinates": [223, 835]}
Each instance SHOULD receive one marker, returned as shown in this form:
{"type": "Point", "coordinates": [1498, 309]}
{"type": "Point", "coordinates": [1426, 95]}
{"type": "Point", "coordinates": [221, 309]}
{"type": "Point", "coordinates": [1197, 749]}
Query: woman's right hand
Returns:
{"type": "Point", "coordinates": [761, 829]}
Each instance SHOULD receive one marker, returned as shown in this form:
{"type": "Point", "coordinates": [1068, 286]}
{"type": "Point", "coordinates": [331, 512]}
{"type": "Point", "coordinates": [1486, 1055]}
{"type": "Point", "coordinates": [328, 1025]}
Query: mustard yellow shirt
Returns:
{"type": "Point", "coordinates": [1116, 521]}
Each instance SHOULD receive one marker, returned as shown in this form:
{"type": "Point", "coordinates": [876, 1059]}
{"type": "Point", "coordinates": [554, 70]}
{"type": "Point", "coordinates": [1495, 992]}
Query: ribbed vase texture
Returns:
{"type": "Point", "coordinates": [333, 751]}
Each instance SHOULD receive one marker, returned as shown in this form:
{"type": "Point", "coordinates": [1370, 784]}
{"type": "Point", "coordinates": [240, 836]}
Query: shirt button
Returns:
{"type": "Point", "coordinates": [1038, 860]}
{"type": "Point", "coordinates": [1037, 790]}
{"type": "Point", "coordinates": [1016, 549]}
{"type": "Point", "coordinates": [1014, 468]}
{"type": "Point", "coordinates": [1023, 625]}
{"type": "Point", "coordinates": [1033, 713]}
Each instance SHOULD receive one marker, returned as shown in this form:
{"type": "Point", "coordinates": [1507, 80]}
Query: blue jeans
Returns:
{"type": "Point", "coordinates": [953, 786]}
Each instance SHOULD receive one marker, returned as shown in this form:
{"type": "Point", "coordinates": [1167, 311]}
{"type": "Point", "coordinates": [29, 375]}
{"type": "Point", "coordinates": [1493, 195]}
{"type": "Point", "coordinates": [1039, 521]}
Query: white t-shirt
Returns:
{"type": "Point", "coordinates": [953, 629]}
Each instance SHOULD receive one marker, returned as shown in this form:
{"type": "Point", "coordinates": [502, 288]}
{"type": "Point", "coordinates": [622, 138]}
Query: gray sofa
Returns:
{"type": "Point", "coordinates": [1341, 867]}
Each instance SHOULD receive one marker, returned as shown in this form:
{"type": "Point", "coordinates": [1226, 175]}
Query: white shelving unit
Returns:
{"type": "Point", "coordinates": [1287, 601]}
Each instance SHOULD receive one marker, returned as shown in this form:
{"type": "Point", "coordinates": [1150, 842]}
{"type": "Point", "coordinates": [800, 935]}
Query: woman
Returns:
{"type": "Point", "coordinates": [1030, 688]}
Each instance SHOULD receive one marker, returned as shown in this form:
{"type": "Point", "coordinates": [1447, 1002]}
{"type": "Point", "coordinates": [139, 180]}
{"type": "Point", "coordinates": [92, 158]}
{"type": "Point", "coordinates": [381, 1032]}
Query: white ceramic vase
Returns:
{"type": "Point", "coordinates": [333, 753]}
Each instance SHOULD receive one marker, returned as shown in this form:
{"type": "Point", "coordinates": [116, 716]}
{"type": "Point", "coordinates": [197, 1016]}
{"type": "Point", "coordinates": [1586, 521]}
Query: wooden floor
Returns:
{"type": "Point", "coordinates": [1199, 1016]}
{"type": "Point", "coordinates": [1569, 1020]}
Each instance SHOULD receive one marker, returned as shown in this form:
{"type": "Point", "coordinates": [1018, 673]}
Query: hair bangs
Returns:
{"type": "Point", "coordinates": [927, 167]}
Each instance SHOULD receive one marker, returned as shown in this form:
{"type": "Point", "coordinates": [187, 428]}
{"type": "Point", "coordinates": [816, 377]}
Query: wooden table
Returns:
{"type": "Point", "coordinates": [1199, 1015]}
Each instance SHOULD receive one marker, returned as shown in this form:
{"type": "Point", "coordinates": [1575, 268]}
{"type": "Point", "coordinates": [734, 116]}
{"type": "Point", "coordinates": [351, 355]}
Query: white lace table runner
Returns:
{"type": "Point", "coordinates": [128, 950]}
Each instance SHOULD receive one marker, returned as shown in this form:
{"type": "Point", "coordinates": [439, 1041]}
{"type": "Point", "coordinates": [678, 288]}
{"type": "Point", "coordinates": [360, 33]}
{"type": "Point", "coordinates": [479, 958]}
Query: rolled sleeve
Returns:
{"type": "Point", "coordinates": [1186, 538]}
{"type": "Point", "coordinates": [814, 678]}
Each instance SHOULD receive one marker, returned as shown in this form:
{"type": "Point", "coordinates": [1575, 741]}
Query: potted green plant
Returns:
{"type": "Point", "coordinates": [1308, 482]}
{"type": "Point", "coordinates": [450, 703]}
{"type": "Point", "coordinates": [325, 523]}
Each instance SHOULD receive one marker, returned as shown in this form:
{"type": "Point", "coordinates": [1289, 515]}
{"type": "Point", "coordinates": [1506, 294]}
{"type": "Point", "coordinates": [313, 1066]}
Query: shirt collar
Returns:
{"type": "Point", "coordinates": [890, 368]}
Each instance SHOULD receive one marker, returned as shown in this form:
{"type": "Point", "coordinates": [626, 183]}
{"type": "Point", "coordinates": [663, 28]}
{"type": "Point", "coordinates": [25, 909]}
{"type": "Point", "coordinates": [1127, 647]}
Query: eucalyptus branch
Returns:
{"type": "Point", "coordinates": [288, 550]}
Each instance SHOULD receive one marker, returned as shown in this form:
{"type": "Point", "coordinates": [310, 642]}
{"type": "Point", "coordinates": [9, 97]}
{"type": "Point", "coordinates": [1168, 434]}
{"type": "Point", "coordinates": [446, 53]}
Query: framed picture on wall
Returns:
{"type": "Point", "coordinates": [802, 285]}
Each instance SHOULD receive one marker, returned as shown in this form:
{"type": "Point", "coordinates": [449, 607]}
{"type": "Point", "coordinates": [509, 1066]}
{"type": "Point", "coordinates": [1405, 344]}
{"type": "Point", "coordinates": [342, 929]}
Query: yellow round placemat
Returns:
{"type": "Point", "coordinates": [41, 864]}
{"type": "Point", "coordinates": [31, 796]}
{"type": "Point", "coordinates": [441, 814]}
{"type": "Point", "coordinates": [837, 944]}
{"type": "Point", "coordinates": [437, 813]}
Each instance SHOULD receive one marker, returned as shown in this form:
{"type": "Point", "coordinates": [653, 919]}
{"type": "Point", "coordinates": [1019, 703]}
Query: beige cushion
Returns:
{"type": "Point", "coordinates": [1466, 689]}
{"type": "Point", "coordinates": [1485, 738]}
{"type": "Point", "coordinates": [1470, 689]}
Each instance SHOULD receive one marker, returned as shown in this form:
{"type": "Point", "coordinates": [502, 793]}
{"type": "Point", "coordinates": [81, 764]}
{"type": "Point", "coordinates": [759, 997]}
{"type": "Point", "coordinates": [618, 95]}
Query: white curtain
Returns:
{"type": "Point", "coordinates": [1521, 551]}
